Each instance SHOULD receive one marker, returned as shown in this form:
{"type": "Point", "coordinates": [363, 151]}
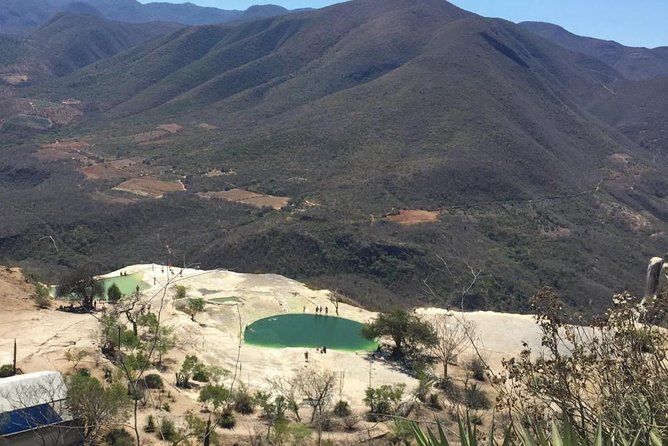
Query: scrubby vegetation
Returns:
{"type": "Point", "coordinates": [352, 118]}
{"type": "Point", "coordinates": [408, 333]}
{"type": "Point", "coordinates": [542, 221]}
{"type": "Point", "coordinates": [571, 388]}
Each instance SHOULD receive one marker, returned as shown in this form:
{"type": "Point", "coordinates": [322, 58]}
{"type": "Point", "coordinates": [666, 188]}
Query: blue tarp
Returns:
{"type": "Point", "coordinates": [29, 418]}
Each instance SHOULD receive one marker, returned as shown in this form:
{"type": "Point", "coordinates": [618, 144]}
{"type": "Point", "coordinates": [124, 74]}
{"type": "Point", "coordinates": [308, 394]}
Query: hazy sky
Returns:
{"type": "Point", "coordinates": [631, 22]}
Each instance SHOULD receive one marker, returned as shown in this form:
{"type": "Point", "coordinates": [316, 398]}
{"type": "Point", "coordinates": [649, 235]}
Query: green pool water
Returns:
{"type": "Point", "coordinates": [308, 330]}
{"type": "Point", "coordinates": [127, 284]}
{"type": "Point", "coordinates": [224, 300]}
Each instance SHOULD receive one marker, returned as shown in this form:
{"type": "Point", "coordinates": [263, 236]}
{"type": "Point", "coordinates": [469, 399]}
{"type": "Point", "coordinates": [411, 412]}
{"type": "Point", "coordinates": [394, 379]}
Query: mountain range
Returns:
{"type": "Point", "coordinates": [632, 63]}
{"type": "Point", "coordinates": [23, 16]}
{"type": "Point", "coordinates": [540, 162]}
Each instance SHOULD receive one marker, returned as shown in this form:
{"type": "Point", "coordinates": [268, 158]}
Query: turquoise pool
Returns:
{"type": "Point", "coordinates": [308, 330]}
{"type": "Point", "coordinates": [127, 284]}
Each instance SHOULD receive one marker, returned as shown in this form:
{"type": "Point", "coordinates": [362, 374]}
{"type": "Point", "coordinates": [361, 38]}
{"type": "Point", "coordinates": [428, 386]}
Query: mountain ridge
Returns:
{"type": "Point", "coordinates": [24, 16]}
{"type": "Point", "coordinates": [634, 63]}
{"type": "Point", "coordinates": [354, 112]}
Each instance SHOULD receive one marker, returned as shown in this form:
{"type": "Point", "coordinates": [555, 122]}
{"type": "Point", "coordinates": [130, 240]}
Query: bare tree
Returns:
{"type": "Point", "coordinates": [463, 286]}
{"type": "Point", "coordinates": [133, 307]}
{"type": "Point", "coordinates": [453, 337]}
{"type": "Point", "coordinates": [289, 389]}
{"type": "Point", "coordinates": [75, 356]}
{"type": "Point", "coordinates": [335, 298]}
{"type": "Point", "coordinates": [317, 388]}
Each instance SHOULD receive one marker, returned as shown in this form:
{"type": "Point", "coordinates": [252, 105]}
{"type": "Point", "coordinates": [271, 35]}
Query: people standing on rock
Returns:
{"type": "Point", "coordinates": [326, 311]}
{"type": "Point", "coordinates": [306, 356]}
{"type": "Point", "coordinates": [324, 349]}
{"type": "Point", "coordinates": [304, 310]}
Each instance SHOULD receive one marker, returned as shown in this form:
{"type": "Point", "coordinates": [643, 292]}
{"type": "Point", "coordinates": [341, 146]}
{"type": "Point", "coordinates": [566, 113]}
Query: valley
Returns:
{"type": "Point", "coordinates": [342, 134]}
{"type": "Point", "coordinates": [359, 224]}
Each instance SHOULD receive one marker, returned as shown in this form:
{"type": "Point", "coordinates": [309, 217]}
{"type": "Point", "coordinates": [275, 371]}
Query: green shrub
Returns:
{"type": "Point", "coordinates": [183, 376]}
{"type": "Point", "coordinates": [476, 366]}
{"type": "Point", "coordinates": [618, 355]}
{"type": "Point", "coordinates": [384, 399]}
{"type": "Point", "coordinates": [180, 291]}
{"type": "Point", "coordinates": [42, 296]}
{"type": "Point", "coordinates": [194, 306]}
{"type": "Point", "coordinates": [244, 403]}
{"type": "Point", "coordinates": [227, 420]}
{"type": "Point", "coordinates": [200, 374]}
{"type": "Point", "coordinates": [300, 434]}
{"type": "Point", "coordinates": [153, 381]}
{"type": "Point", "coordinates": [167, 430]}
{"type": "Point", "coordinates": [119, 437]}
{"type": "Point", "coordinates": [6, 370]}
{"type": "Point", "coordinates": [475, 398]}
{"type": "Point", "coordinates": [433, 401]}
{"type": "Point", "coordinates": [114, 293]}
{"type": "Point", "coordinates": [450, 390]}
{"type": "Point", "coordinates": [342, 409]}
{"type": "Point", "coordinates": [150, 424]}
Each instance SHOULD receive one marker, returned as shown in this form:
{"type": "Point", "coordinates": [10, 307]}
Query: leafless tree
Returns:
{"type": "Point", "coordinates": [132, 307]}
{"type": "Point", "coordinates": [335, 298]}
{"type": "Point", "coordinates": [317, 386]}
{"type": "Point", "coordinates": [289, 389]}
{"type": "Point", "coordinates": [75, 356]}
{"type": "Point", "coordinates": [453, 337]}
{"type": "Point", "coordinates": [463, 285]}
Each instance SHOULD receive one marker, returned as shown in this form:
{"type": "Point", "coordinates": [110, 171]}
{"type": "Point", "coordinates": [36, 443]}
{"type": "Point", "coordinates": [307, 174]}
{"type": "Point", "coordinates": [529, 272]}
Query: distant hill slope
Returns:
{"type": "Point", "coordinates": [72, 41]}
{"type": "Point", "coordinates": [20, 16]}
{"type": "Point", "coordinates": [23, 16]}
{"type": "Point", "coordinates": [638, 110]}
{"type": "Point", "coordinates": [632, 63]}
{"type": "Point", "coordinates": [13, 50]}
{"type": "Point", "coordinates": [354, 112]}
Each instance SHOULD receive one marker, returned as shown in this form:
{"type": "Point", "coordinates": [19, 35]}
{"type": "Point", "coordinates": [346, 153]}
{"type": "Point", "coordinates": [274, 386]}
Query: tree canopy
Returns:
{"type": "Point", "coordinates": [407, 331]}
{"type": "Point", "coordinates": [83, 284]}
{"type": "Point", "coordinates": [97, 408]}
{"type": "Point", "coordinates": [195, 305]}
{"type": "Point", "coordinates": [114, 293]}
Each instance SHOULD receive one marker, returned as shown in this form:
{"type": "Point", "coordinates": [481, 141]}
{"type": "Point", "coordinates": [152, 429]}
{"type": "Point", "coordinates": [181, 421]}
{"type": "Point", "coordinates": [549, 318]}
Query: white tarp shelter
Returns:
{"type": "Point", "coordinates": [32, 389]}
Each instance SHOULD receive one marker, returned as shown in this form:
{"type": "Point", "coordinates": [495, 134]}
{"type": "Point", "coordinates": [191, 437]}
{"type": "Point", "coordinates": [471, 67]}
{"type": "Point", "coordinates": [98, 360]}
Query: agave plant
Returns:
{"type": "Point", "coordinates": [561, 434]}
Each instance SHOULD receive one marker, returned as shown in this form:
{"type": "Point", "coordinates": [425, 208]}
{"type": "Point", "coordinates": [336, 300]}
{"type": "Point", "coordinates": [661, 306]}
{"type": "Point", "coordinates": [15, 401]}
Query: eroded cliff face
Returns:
{"type": "Point", "coordinates": [15, 290]}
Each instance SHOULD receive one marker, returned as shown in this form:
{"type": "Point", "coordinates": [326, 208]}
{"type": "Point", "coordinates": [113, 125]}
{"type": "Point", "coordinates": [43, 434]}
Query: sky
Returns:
{"type": "Point", "coordinates": [630, 22]}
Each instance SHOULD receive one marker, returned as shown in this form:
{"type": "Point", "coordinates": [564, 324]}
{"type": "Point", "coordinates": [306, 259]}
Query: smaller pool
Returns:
{"type": "Point", "coordinates": [127, 284]}
{"type": "Point", "coordinates": [308, 330]}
